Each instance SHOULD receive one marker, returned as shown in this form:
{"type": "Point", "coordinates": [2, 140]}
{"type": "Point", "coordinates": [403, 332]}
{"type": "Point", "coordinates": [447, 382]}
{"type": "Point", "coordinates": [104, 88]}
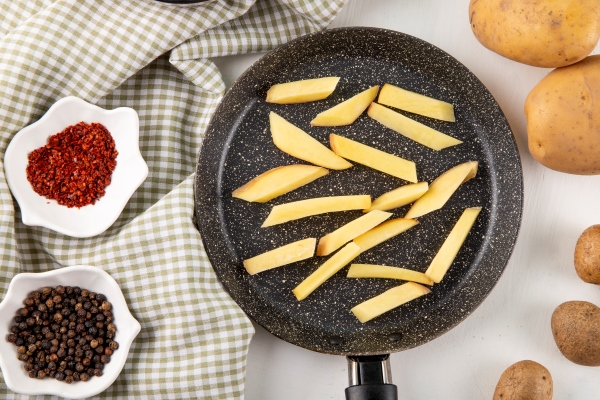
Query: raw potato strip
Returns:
{"type": "Point", "coordinates": [292, 252]}
{"type": "Point", "coordinates": [399, 197]}
{"type": "Point", "coordinates": [373, 158]}
{"type": "Point", "coordinates": [442, 188]}
{"type": "Point", "coordinates": [383, 232]}
{"type": "Point", "coordinates": [347, 111]}
{"type": "Point", "coordinates": [336, 239]}
{"type": "Point", "coordinates": [302, 91]}
{"type": "Point", "coordinates": [385, 272]}
{"type": "Point", "coordinates": [326, 271]}
{"type": "Point", "coordinates": [319, 205]}
{"type": "Point", "coordinates": [278, 181]}
{"type": "Point", "coordinates": [447, 253]}
{"type": "Point", "coordinates": [412, 129]}
{"type": "Point", "coordinates": [416, 103]}
{"type": "Point", "coordinates": [388, 300]}
{"type": "Point", "coordinates": [297, 143]}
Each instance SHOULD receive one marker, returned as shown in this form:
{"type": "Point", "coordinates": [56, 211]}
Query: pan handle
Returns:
{"type": "Point", "coordinates": [370, 378]}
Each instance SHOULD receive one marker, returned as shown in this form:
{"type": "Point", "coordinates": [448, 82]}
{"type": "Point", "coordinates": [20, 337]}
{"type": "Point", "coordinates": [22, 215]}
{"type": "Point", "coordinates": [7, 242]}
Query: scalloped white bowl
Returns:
{"type": "Point", "coordinates": [87, 277]}
{"type": "Point", "coordinates": [130, 172]}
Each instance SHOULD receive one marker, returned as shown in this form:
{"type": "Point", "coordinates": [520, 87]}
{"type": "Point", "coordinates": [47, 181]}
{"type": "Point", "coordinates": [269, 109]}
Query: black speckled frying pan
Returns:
{"type": "Point", "coordinates": [238, 147]}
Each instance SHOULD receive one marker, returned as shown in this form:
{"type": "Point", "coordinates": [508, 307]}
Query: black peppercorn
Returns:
{"type": "Point", "coordinates": [58, 327]}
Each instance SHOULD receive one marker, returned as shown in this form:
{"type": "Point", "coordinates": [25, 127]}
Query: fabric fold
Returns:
{"type": "Point", "coordinates": [156, 59]}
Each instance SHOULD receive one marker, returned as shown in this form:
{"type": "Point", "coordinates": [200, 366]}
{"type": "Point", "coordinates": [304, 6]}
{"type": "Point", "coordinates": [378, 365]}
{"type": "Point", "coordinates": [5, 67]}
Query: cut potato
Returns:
{"type": "Point", "coordinates": [336, 239]}
{"type": "Point", "coordinates": [302, 91]}
{"type": "Point", "coordinates": [388, 300]}
{"type": "Point", "coordinates": [442, 188]}
{"type": "Point", "coordinates": [297, 143]}
{"type": "Point", "coordinates": [348, 111]}
{"type": "Point", "coordinates": [292, 252]}
{"type": "Point", "coordinates": [416, 103]}
{"type": "Point", "coordinates": [386, 272]}
{"type": "Point", "coordinates": [447, 253]}
{"type": "Point", "coordinates": [278, 181]}
{"type": "Point", "coordinates": [373, 158]}
{"type": "Point", "coordinates": [383, 232]}
{"type": "Point", "coordinates": [326, 271]}
{"type": "Point", "coordinates": [399, 197]}
{"type": "Point", "coordinates": [412, 129]}
{"type": "Point", "coordinates": [319, 205]}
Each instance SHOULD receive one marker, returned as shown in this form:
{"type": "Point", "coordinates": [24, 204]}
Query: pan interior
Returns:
{"type": "Point", "coordinates": [238, 147]}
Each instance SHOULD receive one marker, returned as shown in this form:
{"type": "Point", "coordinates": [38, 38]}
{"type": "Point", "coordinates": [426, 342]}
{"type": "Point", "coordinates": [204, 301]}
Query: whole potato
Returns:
{"type": "Point", "coordinates": [542, 33]}
{"type": "Point", "coordinates": [587, 255]}
{"type": "Point", "coordinates": [563, 119]}
{"type": "Point", "coordinates": [576, 330]}
{"type": "Point", "coordinates": [524, 380]}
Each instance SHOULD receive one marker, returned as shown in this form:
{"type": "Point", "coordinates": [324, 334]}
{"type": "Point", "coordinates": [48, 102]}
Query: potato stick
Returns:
{"type": "Point", "coordinates": [326, 271]}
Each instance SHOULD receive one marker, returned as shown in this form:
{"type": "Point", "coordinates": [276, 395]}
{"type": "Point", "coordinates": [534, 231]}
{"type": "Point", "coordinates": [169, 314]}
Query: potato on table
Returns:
{"type": "Point", "coordinates": [587, 255]}
{"type": "Point", "coordinates": [576, 329]}
{"type": "Point", "coordinates": [525, 380]}
{"type": "Point", "coordinates": [563, 119]}
{"type": "Point", "coordinates": [548, 33]}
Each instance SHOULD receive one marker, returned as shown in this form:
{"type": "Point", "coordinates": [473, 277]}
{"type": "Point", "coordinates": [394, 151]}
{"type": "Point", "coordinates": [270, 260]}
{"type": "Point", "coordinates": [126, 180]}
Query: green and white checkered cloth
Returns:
{"type": "Point", "coordinates": [156, 59]}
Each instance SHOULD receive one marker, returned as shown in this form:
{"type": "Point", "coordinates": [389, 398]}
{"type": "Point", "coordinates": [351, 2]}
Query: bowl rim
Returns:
{"type": "Point", "coordinates": [130, 328]}
{"type": "Point", "coordinates": [118, 199]}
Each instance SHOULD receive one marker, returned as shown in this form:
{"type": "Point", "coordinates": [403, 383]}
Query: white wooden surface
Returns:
{"type": "Point", "coordinates": [513, 323]}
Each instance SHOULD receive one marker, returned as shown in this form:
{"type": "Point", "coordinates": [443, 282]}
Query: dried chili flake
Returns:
{"type": "Point", "coordinates": [76, 165]}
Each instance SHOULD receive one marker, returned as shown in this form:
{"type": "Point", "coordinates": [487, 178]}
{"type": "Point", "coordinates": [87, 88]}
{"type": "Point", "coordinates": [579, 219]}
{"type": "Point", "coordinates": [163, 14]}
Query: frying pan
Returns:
{"type": "Point", "coordinates": [238, 146]}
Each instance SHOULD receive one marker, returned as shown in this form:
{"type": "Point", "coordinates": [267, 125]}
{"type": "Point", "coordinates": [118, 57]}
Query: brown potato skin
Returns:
{"type": "Point", "coordinates": [525, 380]}
{"type": "Point", "coordinates": [587, 255]}
{"type": "Point", "coordinates": [542, 33]}
{"type": "Point", "coordinates": [576, 329]}
{"type": "Point", "coordinates": [563, 118]}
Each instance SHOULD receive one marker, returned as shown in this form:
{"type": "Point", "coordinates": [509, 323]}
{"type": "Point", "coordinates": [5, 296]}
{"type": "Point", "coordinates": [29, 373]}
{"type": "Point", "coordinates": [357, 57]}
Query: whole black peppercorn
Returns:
{"type": "Point", "coordinates": [58, 327]}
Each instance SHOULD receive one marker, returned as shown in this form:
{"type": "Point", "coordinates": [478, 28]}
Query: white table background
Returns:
{"type": "Point", "coordinates": [513, 323]}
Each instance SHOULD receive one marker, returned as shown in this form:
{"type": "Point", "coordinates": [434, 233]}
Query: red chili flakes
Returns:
{"type": "Point", "coordinates": [76, 165]}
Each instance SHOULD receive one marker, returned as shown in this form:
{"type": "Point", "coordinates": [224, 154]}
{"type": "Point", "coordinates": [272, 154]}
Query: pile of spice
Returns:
{"type": "Point", "coordinates": [65, 333]}
{"type": "Point", "coordinates": [76, 165]}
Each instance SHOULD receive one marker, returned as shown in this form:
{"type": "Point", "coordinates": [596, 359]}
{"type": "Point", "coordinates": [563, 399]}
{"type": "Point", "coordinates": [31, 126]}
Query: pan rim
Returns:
{"type": "Point", "coordinates": [206, 186]}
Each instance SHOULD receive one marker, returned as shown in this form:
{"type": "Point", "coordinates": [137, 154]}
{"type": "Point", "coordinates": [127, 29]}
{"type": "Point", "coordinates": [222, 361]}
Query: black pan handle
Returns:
{"type": "Point", "coordinates": [370, 378]}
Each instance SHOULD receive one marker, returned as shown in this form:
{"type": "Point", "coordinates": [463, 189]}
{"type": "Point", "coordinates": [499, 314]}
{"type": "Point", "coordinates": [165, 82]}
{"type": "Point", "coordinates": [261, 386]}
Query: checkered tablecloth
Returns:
{"type": "Point", "coordinates": [156, 59]}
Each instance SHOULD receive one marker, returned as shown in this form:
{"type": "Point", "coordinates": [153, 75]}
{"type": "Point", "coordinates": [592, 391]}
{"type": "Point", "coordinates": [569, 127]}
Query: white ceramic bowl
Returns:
{"type": "Point", "coordinates": [91, 278]}
{"type": "Point", "coordinates": [130, 172]}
